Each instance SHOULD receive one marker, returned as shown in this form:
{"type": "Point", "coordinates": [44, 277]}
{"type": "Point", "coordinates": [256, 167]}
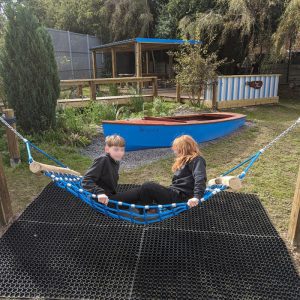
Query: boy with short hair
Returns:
{"type": "Point", "coordinates": [102, 177]}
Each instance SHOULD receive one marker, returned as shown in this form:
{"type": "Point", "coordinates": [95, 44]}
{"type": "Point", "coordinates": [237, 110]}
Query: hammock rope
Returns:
{"type": "Point", "coordinates": [70, 180]}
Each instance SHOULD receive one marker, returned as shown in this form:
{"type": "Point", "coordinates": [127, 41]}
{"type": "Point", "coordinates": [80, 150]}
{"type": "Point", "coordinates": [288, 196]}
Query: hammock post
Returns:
{"type": "Point", "coordinates": [294, 226]}
{"type": "Point", "coordinates": [5, 204]}
{"type": "Point", "coordinates": [13, 145]}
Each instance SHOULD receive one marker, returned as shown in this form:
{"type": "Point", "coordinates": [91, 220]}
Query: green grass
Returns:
{"type": "Point", "coordinates": [23, 185]}
{"type": "Point", "coordinates": [272, 178]}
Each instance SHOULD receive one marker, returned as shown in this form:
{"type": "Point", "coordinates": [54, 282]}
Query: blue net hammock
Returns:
{"type": "Point", "coordinates": [70, 180]}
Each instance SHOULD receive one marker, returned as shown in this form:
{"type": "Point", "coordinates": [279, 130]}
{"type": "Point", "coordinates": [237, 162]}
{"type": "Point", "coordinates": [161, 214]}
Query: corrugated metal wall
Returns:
{"type": "Point", "coordinates": [237, 88]}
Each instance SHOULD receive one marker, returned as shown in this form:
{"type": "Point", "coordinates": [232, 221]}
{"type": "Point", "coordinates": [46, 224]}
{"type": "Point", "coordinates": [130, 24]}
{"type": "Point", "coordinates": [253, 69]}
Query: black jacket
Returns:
{"type": "Point", "coordinates": [191, 178]}
{"type": "Point", "coordinates": [102, 177]}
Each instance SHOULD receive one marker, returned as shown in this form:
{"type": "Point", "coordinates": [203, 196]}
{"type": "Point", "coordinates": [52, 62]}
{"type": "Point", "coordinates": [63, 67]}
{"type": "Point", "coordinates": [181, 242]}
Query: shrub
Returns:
{"type": "Point", "coordinates": [29, 71]}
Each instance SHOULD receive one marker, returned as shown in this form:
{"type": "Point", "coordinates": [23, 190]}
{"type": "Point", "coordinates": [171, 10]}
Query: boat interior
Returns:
{"type": "Point", "coordinates": [200, 117]}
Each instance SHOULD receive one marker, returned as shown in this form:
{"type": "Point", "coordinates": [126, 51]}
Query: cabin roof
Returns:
{"type": "Point", "coordinates": [148, 44]}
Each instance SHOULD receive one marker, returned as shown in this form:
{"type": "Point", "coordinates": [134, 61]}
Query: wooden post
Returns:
{"type": "Point", "coordinates": [114, 63]}
{"type": "Point", "coordinates": [171, 67]}
{"type": "Point", "coordinates": [147, 68]}
{"type": "Point", "coordinates": [147, 63]}
{"type": "Point", "coordinates": [294, 226]}
{"type": "Point", "coordinates": [92, 90]}
{"type": "Point", "coordinates": [138, 64]}
{"type": "Point", "coordinates": [94, 60]}
{"type": "Point", "coordinates": [153, 61]}
{"type": "Point", "coordinates": [79, 90]}
{"type": "Point", "coordinates": [13, 145]}
{"type": "Point", "coordinates": [154, 87]}
{"type": "Point", "coordinates": [214, 96]}
{"type": "Point", "coordinates": [178, 97]}
{"type": "Point", "coordinates": [138, 60]}
{"type": "Point", "coordinates": [5, 204]}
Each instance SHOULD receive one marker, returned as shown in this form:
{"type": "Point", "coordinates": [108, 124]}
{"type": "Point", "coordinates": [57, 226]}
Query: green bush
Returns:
{"type": "Point", "coordinates": [136, 103]}
{"type": "Point", "coordinates": [29, 70]}
{"type": "Point", "coordinates": [70, 120]}
{"type": "Point", "coordinates": [113, 90]}
{"type": "Point", "coordinates": [72, 128]}
{"type": "Point", "coordinates": [160, 107]}
{"type": "Point", "coordinates": [78, 126]}
{"type": "Point", "coordinates": [96, 112]}
{"type": "Point", "coordinates": [123, 112]}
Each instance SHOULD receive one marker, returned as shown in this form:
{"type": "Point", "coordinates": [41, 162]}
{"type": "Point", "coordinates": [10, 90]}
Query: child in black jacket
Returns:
{"type": "Point", "coordinates": [102, 177]}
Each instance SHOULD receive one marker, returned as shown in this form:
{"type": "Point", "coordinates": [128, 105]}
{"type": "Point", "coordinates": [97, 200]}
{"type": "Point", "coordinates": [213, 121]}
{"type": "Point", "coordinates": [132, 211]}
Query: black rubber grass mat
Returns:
{"type": "Point", "coordinates": [226, 248]}
{"type": "Point", "coordinates": [226, 212]}
{"type": "Point", "coordinates": [72, 261]}
{"type": "Point", "coordinates": [194, 265]}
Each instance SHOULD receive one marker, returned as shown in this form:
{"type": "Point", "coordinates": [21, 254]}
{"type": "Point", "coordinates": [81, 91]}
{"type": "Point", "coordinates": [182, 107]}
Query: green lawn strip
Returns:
{"type": "Point", "coordinates": [24, 186]}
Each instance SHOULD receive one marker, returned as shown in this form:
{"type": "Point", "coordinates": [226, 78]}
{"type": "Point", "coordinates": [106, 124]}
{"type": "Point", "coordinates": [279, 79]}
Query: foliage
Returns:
{"type": "Point", "coordinates": [136, 101]}
{"type": "Point", "coordinates": [76, 126]}
{"type": "Point", "coordinates": [109, 19]}
{"type": "Point", "coordinates": [195, 68]}
{"type": "Point", "coordinates": [113, 90]}
{"type": "Point", "coordinates": [236, 26]}
{"type": "Point", "coordinates": [160, 107]}
{"type": "Point", "coordinates": [244, 24]}
{"type": "Point", "coordinates": [96, 112]}
{"type": "Point", "coordinates": [288, 28]}
{"type": "Point", "coordinates": [172, 11]}
{"type": "Point", "coordinates": [29, 71]}
{"type": "Point", "coordinates": [2, 93]}
{"type": "Point", "coordinates": [2, 25]}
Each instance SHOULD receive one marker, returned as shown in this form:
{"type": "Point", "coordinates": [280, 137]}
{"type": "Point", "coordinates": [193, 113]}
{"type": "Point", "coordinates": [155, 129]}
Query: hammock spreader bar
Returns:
{"type": "Point", "coordinates": [137, 214]}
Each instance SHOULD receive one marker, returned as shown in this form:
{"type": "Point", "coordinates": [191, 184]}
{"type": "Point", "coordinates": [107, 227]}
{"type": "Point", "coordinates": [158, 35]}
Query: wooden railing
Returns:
{"type": "Point", "coordinates": [92, 83]}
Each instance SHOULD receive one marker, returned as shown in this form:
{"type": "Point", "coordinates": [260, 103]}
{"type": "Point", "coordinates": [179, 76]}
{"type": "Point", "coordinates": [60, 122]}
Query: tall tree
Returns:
{"type": "Point", "coordinates": [110, 20]}
{"type": "Point", "coordinates": [46, 11]}
{"type": "Point", "coordinates": [172, 11]}
{"type": "Point", "coordinates": [2, 18]}
{"type": "Point", "coordinates": [288, 28]}
{"type": "Point", "coordinates": [29, 70]}
{"type": "Point", "coordinates": [2, 24]}
{"type": "Point", "coordinates": [128, 18]}
{"type": "Point", "coordinates": [237, 26]}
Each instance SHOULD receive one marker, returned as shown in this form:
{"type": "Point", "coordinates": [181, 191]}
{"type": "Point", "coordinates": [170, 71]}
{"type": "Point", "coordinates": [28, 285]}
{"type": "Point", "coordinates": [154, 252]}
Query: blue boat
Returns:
{"type": "Point", "coordinates": [159, 132]}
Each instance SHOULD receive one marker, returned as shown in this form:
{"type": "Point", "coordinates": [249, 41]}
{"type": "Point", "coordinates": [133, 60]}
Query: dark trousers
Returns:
{"type": "Point", "coordinates": [150, 193]}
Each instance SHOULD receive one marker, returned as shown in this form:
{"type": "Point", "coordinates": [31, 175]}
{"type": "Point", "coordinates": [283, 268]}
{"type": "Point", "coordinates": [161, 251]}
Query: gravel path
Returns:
{"type": "Point", "coordinates": [132, 159]}
{"type": "Point", "coordinates": [138, 158]}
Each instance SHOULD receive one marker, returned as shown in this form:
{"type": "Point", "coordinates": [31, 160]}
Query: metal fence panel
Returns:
{"type": "Point", "coordinates": [73, 57]}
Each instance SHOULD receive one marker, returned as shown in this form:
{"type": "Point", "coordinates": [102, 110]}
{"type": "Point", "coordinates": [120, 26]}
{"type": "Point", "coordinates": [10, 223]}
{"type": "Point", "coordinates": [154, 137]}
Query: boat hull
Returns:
{"type": "Point", "coordinates": [140, 136]}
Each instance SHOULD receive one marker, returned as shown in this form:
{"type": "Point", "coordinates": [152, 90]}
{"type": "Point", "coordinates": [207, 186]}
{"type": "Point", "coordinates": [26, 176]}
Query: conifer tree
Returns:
{"type": "Point", "coordinates": [29, 71]}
